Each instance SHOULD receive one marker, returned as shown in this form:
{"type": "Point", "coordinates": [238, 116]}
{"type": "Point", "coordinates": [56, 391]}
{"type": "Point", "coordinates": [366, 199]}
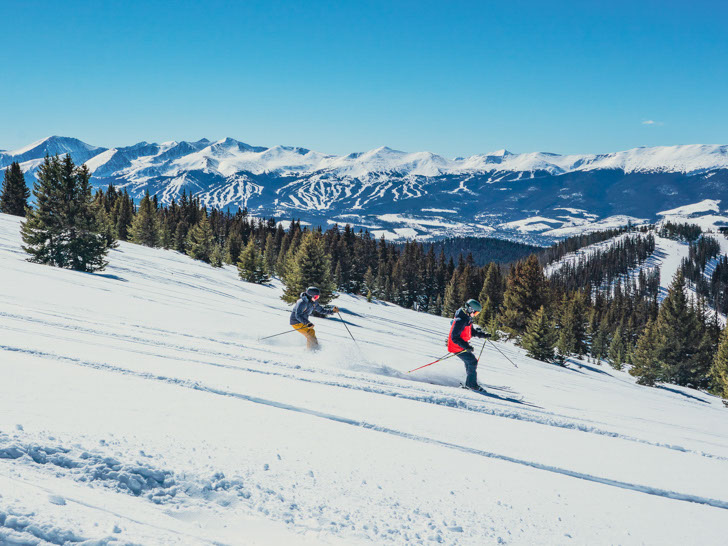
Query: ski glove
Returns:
{"type": "Point", "coordinates": [480, 333]}
{"type": "Point", "coordinates": [469, 347]}
{"type": "Point", "coordinates": [335, 309]}
{"type": "Point", "coordinates": [309, 325]}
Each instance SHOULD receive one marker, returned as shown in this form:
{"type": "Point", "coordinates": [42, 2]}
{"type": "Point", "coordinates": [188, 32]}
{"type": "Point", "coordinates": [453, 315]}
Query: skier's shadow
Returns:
{"type": "Point", "coordinates": [590, 368]}
{"type": "Point", "coordinates": [106, 276]}
{"type": "Point", "coordinates": [686, 395]}
{"type": "Point", "coordinates": [509, 399]}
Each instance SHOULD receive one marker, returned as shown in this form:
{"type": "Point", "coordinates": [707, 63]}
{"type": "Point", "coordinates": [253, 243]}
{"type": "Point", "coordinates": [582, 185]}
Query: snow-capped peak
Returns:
{"type": "Point", "coordinates": [229, 156]}
{"type": "Point", "coordinates": [52, 145]}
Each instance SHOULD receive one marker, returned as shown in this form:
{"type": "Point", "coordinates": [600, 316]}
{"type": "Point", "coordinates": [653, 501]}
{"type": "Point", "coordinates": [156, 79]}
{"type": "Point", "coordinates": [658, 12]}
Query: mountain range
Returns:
{"type": "Point", "coordinates": [535, 197]}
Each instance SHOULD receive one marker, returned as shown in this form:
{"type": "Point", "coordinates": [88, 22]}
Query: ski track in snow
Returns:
{"type": "Point", "coordinates": [363, 424]}
{"type": "Point", "coordinates": [373, 385]}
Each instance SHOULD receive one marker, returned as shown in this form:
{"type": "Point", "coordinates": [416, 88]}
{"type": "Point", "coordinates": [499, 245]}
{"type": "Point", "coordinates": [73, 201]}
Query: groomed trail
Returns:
{"type": "Point", "coordinates": [139, 405]}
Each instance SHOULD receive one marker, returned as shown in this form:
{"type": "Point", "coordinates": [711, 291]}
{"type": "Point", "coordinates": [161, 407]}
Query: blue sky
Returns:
{"type": "Point", "coordinates": [455, 78]}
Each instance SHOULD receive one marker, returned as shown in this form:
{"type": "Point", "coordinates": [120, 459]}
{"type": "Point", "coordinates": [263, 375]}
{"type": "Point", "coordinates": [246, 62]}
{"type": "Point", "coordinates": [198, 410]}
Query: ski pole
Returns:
{"type": "Point", "coordinates": [501, 352]}
{"type": "Point", "coordinates": [347, 328]}
{"type": "Point", "coordinates": [481, 351]}
{"type": "Point", "coordinates": [274, 335]}
{"type": "Point", "coordinates": [436, 361]}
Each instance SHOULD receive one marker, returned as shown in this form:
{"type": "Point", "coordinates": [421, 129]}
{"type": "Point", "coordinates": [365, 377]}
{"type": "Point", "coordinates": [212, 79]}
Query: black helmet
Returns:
{"type": "Point", "coordinates": [473, 306]}
{"type": "Point", "coordinates": [313, 291]}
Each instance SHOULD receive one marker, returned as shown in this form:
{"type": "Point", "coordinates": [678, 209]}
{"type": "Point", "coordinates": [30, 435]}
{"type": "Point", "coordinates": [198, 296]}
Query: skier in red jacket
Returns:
{"type": "Point", "coordinates": [461, 332]}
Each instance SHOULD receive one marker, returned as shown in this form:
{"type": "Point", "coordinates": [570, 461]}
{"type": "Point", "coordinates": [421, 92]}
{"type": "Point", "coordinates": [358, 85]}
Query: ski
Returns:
{"type": "Point", "coordinates": [481, 391]}
{"type": "Point", "coordinates": [514, 398]}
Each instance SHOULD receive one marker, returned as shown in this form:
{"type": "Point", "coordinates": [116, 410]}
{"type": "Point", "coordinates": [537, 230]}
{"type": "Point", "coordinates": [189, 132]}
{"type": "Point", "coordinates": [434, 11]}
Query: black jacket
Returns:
{"type": "Point", "coordinates": [303, 309]}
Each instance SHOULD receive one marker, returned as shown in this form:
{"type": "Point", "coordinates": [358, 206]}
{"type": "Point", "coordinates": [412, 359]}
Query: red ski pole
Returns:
{"type": "Point", "coordinates": [438, 360]}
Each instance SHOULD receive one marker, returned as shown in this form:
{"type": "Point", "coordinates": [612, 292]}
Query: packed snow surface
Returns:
{"type": "Point", "coordinates": [140, 406]}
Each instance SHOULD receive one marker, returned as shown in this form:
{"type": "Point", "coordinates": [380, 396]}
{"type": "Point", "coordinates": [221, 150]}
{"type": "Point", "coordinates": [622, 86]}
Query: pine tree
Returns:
{"type": "Point", "coordinates": [646, 366]}
{"type": "Point", "coordinates": [200, 240]}
{"type": "Point", "coordinates": [338, 277]}
{"type": "Point", "coordinates": [492, 328]}
{"type": "Point", "coordinates": [217, 255]}
{"type": "Point", "coordinates": [579, 324]}
{"type": "Point", "coordinates": [470, 286]}
{"type": "Point", "coordinates": [270, 254]}
{"type": "Point", "coordinates": [678, 335]}
{"type": "Point", "coordinates": [103, 221]}
{"type": "Point", "coordinates": [436, 308]}
{"type": "Point", "coordinates": [600, 342]}
{"type": "Point", "coordinates": [591, 331]}
{"type": "Point", "coordinates": [251, 265]}
{"type": "Point", "coordinates": [572, 326]}
{"type": "Point", "coordinates": [719, 369]}
{"type": "Point", "coordinates": [369, 281]}
{"type": "Point", "coordinates": [15, 193]}
{"type": "Point", "coordinates": [526, 292]}
{"type": "Point", "coordinates": [180, 236]}
{"type": "Point", "coordinates": [233, 247]}
{"type": "Point", "coordinates": [566, 343]}
{"type": "Point", "coordinates": [617, 350]}
{"type": "Point", "coordinates": [491, 295]}
{"type": "Point", "coordinates": [282, 252]}
{"type": "Point", "coordinates": [144, 228]}
{"type": "Point", "coordinates": [124, 214]}
{"type": "Point", "coordinates": [539, 338]}
{"type": "Point", "coordinates": [309, 266]}
{"type": "Point", "coordinates": [452, 300]}
{"type": "Point", "coordinates": [166, 232]}
{"type": "Point", "coordinates": [707, 346]}
{"type": "Point", "coordinates": [62, 229]}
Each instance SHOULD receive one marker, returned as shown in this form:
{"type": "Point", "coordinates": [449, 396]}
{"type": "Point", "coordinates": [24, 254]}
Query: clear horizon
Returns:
{"type": "Point", "coordinates": [213, 140]}
{"type": "Point", "coordinates": [454, 79]}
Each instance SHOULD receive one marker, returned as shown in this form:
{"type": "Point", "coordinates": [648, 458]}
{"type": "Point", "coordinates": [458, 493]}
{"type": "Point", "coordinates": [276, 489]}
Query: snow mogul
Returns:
{"type": "Point", "coordinates": [461, 331]}
{"type": "Point", "coordinates": [307, 304]}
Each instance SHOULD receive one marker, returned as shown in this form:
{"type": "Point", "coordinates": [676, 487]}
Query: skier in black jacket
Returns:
{"type": "Point", "coordinates": [307, 304]}
{"type": "Point", "coordinates": [461, 332]}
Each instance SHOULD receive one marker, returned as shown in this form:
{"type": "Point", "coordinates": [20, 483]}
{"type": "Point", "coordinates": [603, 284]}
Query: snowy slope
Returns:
{"type": "Point", "coordinates": [139, 405]}
{"type": "Point", "coordinates": [534, 197]}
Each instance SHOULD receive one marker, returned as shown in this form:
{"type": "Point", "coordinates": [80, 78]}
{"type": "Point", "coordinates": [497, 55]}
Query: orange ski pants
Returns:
{"type": "Point", "coordinates": [311, 341]}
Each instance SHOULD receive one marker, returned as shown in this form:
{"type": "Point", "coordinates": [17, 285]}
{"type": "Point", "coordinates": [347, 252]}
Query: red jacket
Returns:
{"type": "Point", "coordinates": [461, 330]}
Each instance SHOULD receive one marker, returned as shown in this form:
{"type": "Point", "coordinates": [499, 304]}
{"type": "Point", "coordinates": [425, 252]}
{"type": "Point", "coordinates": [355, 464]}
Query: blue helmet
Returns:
{"type": "Point", "coordinates": [473, 306]}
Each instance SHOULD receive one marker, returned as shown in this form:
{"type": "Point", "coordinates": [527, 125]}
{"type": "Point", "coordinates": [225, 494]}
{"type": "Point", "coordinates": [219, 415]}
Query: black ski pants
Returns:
{"type": "Point", "coordinates": [471, 368]}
